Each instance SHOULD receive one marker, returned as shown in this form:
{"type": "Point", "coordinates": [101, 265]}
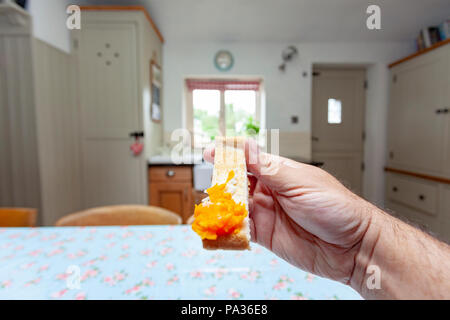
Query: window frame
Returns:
{"type": "Point", "coordinates": [188, 105]}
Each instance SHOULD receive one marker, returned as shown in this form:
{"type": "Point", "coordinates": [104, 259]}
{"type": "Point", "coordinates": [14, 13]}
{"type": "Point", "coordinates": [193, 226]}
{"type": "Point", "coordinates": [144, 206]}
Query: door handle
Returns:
{"type": "Point", "coordinates": [314, 138]}
{"type": "Point", "coordinates": [444, 110]}
{"type": "Point", "coordinates": [137, 134]}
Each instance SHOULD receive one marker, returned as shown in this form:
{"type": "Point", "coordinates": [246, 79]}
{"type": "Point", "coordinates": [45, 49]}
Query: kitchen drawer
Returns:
{"type": "Point", "coordinates": [170, 174]}
{"type": "Point", "coordinates": [425, 222]}
{"type": "Point", "coordinates": [445, 212]}
{"type": "Point", "coordinates": [416, 193]}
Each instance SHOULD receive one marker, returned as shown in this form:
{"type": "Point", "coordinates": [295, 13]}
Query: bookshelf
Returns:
{"type": "Point", "coordinates": [419, 53]}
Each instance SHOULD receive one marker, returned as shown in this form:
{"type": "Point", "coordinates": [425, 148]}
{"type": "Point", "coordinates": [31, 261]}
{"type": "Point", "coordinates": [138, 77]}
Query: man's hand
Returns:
{"type": "Point", "coordinates": [304, 215]}
{"type": "Point", "coordinates": [308, 218]}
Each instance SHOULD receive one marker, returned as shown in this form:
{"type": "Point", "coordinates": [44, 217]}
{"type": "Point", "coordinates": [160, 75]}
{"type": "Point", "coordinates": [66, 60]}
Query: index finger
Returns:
{"type": "Point", "coordinates": [253, 156]}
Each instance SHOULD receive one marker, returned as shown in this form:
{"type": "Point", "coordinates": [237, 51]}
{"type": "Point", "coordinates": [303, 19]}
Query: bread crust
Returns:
{"type": "Point", "coordinates": [234, 241]}
{"type": "Point", "coordinates": [227, 158]}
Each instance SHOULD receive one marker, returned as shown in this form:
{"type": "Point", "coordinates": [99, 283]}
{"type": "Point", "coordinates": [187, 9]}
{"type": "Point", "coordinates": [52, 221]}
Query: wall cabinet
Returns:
{"type": "Point", "coordinates": [418, 120]}
{"type": "Point", "coordinates": [447, 143]}
{"type": "Point", "coordinates": [170, 187]}
{"type": "Point", "coordinates": [418, 164]}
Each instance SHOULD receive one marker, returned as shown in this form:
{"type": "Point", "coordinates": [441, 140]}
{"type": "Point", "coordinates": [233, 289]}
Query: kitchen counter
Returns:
{"type": "Point", "coordinates": [168, 164]}
{"type": "Point", "coordinates": [167, 161]}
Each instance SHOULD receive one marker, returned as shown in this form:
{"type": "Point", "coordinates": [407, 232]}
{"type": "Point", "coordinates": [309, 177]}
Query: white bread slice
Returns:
{"type": "Point", "coordinates": [230, 155]}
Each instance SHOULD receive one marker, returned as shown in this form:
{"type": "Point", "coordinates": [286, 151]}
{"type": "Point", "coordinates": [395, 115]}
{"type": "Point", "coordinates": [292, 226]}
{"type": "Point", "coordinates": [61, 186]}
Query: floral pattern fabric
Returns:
{"type": "Point", "coordinates": [145, 262]}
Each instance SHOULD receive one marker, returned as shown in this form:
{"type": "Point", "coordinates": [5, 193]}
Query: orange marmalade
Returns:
{"type": "Point", "coordinates": [221, 215]}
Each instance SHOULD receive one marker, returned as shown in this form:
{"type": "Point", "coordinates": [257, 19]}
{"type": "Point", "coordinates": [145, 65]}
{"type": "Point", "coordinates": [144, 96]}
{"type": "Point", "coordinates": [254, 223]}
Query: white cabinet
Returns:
{"type": "Point", "coordinates": [413, 198]}
{"type": "Point", "coordinates": [447, 140]}
{"type": "Point", "coordinates": [421, 202]}
{"type": "Point", "coordinates": [418, 164]}
{"type": "Point", "coordinates": [445, 212]}
{"type": "Point", "coordinates": [418, 126]}
{"type": "Point", "coordinates": [416, 193]}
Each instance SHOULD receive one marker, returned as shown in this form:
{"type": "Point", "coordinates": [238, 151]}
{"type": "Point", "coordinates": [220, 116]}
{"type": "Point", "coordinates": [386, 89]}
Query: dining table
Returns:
{"type": "Point", "coordinates": [146, 262]}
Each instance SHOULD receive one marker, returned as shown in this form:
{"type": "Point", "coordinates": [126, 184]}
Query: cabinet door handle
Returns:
{"type": "Point", "coordinates": [421, 197]}
{"type": "Point", "coordinates": [395, 189]}
{"type": "Point", "coordinates": [445, 110]}
{"type": "Point", "coordinates": [170, 173]}
{"type": "Point", "coordinates": [314, 138]}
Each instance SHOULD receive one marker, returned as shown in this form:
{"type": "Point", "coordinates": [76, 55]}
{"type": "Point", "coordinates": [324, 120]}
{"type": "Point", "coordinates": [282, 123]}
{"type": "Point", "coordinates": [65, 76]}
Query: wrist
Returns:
{"type": "Point", "coordinates": [368, 246]}
{"type": "Point", "coordinates": [398, 261]}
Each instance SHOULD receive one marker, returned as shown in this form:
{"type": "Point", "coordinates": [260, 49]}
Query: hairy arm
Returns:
{"type": "Point", "coordinates": [411, 264]}
{"type": "Point", "coordinates": [308, 218]}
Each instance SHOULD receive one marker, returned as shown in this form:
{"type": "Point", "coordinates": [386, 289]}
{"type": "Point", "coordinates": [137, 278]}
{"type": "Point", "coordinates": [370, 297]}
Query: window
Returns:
{"type": "Point", "coordinates": [222, 107]}
{"type": "Point", "coordinates": [334, 111]}
{"type": "Point", "coordinates": [206, 105]}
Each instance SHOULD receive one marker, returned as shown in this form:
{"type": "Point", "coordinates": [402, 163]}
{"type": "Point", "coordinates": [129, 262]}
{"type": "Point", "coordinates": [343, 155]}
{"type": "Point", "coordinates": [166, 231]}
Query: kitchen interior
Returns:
{"type": "Point", "coordinates": [90, 117]}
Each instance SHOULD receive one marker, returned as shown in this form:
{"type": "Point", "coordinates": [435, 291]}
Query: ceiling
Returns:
{"type": "Point", "coordinates": [288, 20]}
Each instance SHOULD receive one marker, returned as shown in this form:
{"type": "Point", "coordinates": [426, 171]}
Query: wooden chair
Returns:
{"type": "Point", "coordinates": [119, 216]}
{"type": "Point", "coordinates": [18, 217]}
{"type": "Point", "coordinates": [190, 220]}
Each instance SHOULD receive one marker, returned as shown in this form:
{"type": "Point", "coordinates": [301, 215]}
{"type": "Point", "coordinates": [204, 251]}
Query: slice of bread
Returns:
{"type": "Point", "coordinates": [230, 155]}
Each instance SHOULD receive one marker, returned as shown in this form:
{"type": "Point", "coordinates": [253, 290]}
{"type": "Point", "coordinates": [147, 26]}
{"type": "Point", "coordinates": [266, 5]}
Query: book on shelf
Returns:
{"type": "Point", "coordinates": [426, 37]}
{"type": "Point", "coordinates": [420, 43]}
{"type": "Point", "coordinates": [434, 35]}
{"type": "Point", "coordinates": [444, 30]}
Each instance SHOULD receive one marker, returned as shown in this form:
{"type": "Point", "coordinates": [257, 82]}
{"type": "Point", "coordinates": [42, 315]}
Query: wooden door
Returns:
{"type": "Point", "coordinates": [338, 123]}
{"type": "Point", "coordinates": [419, 88]}
{"type": "Point", "coordinates": [107, 57]}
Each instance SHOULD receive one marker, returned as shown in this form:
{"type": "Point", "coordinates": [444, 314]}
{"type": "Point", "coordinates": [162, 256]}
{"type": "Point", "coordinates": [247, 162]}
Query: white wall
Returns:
{"type": "Point", "coordinates": [49, 22]}
{"type": "Point", "coordinates": [151, 50]}
{"type": "Point", "coordinates": [289, 93]}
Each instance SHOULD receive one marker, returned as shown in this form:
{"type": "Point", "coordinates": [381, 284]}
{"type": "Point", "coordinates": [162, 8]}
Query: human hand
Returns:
{"type": "Point", "coordinates": [304, 215]}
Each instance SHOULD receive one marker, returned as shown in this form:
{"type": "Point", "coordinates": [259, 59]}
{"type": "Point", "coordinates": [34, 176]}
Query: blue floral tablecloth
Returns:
{"type": "Point", "coordinates": [145, 262]}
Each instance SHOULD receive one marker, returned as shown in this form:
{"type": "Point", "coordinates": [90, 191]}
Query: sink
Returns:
{"type": "Point", "coordinates": [167, 159]}
{"type": "Point", "coordinates": [202, 175]}
{"type": "Point", "coordinates": [160, 159]}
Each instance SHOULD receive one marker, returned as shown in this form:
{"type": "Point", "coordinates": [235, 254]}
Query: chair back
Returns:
{"type": "Point", "coordinates": [120, 215]}
{"type": "Point", "coordinates": [18, 217]}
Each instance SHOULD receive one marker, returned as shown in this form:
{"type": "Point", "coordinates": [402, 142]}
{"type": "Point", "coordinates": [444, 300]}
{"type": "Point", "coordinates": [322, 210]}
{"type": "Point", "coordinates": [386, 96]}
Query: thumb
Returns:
{"type": "Point", "coordinates": [275, 172]}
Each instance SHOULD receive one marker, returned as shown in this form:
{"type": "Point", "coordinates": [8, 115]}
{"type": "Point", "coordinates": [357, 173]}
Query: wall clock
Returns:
{"type": "Point", "coordinates": [223, 60]}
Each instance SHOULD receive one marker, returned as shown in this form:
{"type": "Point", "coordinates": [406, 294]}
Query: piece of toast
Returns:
{"type": "Point", "coordinates": [230, 155]}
